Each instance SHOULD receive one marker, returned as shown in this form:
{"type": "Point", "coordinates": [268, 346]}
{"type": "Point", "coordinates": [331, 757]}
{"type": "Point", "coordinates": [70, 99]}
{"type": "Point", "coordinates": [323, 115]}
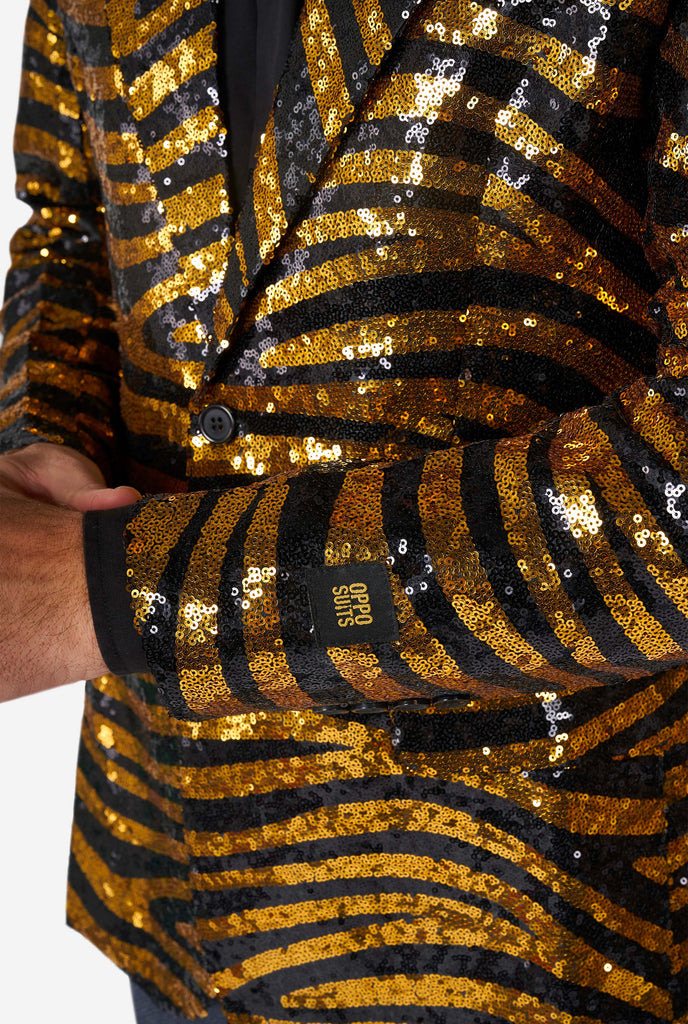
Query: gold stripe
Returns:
{"type": "Point", "coordinates": [578, 813]}
{"type": "Point", "coordinates": [454, 876]}
{"type": "Point", "coordinates": [135, 959]}
{"type": "Point", "coordinates": [122, 193]}
{"type": "Point", "coordinates": [126, 830]}
{"type": "Point", "coordinates": [166, 75]}
{"type": "Point", "coordinates": [522, 133]}
{"type": "Point", "coordinates": [156, 529]}
{"type": "Point", "coordinates": [129, 899]}
{"type": "Point", "coordinates": [37, 87]}
{"type": "Point", "coordinates": [261, 777]}
{"type": "Point", "coordinates": [468, 588]}
{"type": "Point", "coordinates": [48, 16]}
{"type": "Point", "coordinates": [540, 938]}
{"type": "Point", "coordinates": [374, 263]}
{"type": "Point", "coordinates": [379, 222]}
{"type": "Point", "coordinates": [387, 401]}
{"type": "Point", "coordinates": [223, 314]}
{"type": "Point", "coordinates": [129, 252]}
{"type": "Point", "coordinates": [658, 423]}
{"type": "Point", "coordinates": [56, 374]}
{"type": "Point", "coordinates": [109, 735]}
{"type": "Point", "coordinates": [579, 510]}
{"type": "Point", "coordinates": [261, 619]}
{"type": "Point", "coordinates": [45, 146]}
{"type": "Point", "coordinates": [532, 555]}
{"type": "Point", "coordinates": [677, 901]}
{"type": "Point", "coordinates": [497, 936]}
{"type": "Point", "coordinates": [197, 204]}
{"type": "Point", "coordinates": [181, 140]}
{"type": "Point", "coordinates": [664, 740]}
{"type": "Point", "coordinates": [564, 748]}
{"type": "Point", "coordinates": [99, 83]}
{"type": "Point", "coordinates": [241, 256]}
{"type": "Point", "coordinates": [325, 68]}
{"type": "Point", "coordinates": [201, 679]}
{"type": "Point", "coordinates": [271, 221]}
{"type": "Point", "coordinates": [92, 433]}
{"type": "Point", "coordinates": [483, 244]}
{"type": "Point", "coordinates": [153, 716]}
{"type": "Point", "coordinates": [186, 372]}
{"type": "Point", "coordinates": [265, 454]}
{"type": "Point", "coordinates": [198, 270]}
{"type": "Point", "coordinates": [45, 42]}
{"type": "Point", "coordinates": [406, 167]}
{"type": "Point", "coordinates": [654, 868]}
{"type": "Point", "coordinates": [375, 33]}
{"type": "Point", "coordinates": [430, 990]}
{"type": "Point", "coordinates": [130, 33]}
{"type": "Point", "coordinates": [585, 269]}
{"type": "Point", "coordinates": [575, 74]}
{"type": "Point", "coordinates": [637, 523]}
{"type": "Point", "coordinates": [673, 150]}
{"type": "Point", "coordinates": [125, 780]}
{"type": "Point", "coordinates": [632, 710]}
{"type": "Point", "coordinates": [422, 96]}
{"type": "Point", "coordinates": [154, 416]}
{"type": "Point", "coordinates": [39, 187]}
{"type": "Point", "coordinates": [115, 148]}
{"type": "Point", "coordinates": [440, 330]}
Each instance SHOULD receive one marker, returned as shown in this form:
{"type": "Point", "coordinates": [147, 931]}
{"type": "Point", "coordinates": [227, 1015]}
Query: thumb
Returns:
{"type": "Point", "coordinates": [93, 497]}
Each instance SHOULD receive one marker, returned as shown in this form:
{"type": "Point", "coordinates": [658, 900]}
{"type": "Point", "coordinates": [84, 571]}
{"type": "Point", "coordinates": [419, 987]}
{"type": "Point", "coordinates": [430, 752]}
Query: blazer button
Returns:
{"type": "Point", "coordinates": [412, 704]}
{"type": "Point", "coordinates": [217, 424]}
{"type": "Point", "coordinates": [331, 709]}
{"type": "Point", "coordinates": [457, 700]}
{"type": "Point", "coordinates": [366, 707]}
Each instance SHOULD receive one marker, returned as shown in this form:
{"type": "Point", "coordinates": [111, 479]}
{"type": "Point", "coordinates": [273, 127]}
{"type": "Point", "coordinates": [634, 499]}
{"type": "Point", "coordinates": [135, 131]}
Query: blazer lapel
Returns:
{"type": "Point", "coordinates": [337, 49]}
{"type": "Point", "coordinates": [167, 59]}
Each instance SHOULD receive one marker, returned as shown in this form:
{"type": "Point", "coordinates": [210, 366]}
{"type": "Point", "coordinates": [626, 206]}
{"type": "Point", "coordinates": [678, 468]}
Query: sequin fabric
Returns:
{"type": "Point", "coordinates": [449, 319]}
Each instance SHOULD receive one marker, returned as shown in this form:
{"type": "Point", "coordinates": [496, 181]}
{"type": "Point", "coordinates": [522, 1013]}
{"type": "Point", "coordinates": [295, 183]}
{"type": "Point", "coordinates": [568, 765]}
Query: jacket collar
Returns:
{"type": "Point", "coordinates": [337, 49]}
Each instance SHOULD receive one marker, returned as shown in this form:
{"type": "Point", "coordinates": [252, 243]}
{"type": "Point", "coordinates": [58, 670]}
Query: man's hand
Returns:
{"type": "Point", "coordinates": [62, 476]}
{"type": "Point", "coordinates": [47, 636]}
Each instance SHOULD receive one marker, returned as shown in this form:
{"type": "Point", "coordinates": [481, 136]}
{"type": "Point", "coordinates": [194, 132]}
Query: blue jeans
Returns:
{"type": "Point", "coordinates": [147, 1012]}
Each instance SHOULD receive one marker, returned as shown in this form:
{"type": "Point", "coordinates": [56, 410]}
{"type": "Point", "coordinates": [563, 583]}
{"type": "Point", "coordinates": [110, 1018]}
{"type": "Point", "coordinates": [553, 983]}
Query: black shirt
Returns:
{"type": "Point", "coordinates": [254, 38]}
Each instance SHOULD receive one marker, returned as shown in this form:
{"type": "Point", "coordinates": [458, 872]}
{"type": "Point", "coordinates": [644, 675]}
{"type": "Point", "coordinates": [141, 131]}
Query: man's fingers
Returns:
{"type": "Point", "coordinates": [97, 499]}
{"type": "Point", "coordinates": [60, 476]}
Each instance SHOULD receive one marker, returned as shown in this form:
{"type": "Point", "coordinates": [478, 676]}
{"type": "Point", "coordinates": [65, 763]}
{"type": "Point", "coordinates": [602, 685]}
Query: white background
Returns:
{"type": "Point", "coordinates": [48, 973]}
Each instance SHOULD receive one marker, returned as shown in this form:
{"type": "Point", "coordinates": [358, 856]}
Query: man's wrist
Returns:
{"type": "Point", "coordinates": [85, 659]}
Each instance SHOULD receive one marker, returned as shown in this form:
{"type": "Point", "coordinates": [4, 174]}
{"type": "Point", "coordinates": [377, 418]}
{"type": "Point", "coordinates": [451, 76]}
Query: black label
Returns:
{"type": "Point", "coordinates": [352, 604]}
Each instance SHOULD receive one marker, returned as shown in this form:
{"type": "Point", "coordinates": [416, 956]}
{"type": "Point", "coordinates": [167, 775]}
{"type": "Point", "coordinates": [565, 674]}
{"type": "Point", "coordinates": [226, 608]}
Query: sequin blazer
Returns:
{"type": "Point", "coordinates": [442, 338]}
{"type": "Point", "coordinates": [411, 429]}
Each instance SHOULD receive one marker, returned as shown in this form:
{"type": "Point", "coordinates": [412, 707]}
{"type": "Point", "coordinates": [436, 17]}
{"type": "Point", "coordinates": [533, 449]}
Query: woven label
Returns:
{"type": "Point", "coordinates": [352, 604]}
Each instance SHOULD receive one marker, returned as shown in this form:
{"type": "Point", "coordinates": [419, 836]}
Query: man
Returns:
{"type": "Point", "coordinates": [397, 727]}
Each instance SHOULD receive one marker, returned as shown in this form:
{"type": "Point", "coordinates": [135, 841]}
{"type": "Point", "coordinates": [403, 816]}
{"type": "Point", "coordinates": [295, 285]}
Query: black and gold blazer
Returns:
{"type": "Point", "coordinates": [426, 342]}
{"type": "Point", "coordinates": [411, 422]}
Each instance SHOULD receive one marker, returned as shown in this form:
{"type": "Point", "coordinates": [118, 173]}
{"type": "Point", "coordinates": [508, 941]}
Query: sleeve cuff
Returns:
{"type": "Point", "coordinates": [106, 576]}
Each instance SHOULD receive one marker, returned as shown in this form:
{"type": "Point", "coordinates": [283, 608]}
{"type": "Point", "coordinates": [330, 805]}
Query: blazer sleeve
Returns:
{"type": "Point", "coordinates": [554, 560]}
{"type": "Point", "coordinates": [59, 363]}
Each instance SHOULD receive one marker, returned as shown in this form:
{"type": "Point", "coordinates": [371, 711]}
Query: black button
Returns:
{"type": "Point", "coordinates": [332, 709]}
{"type": "Point", "coordinates": [413, 704]}
{"type": "Point", "coordinates": [366, 707]}
{"type": "Point", "coordinates": [457, 700]}
{"type": "Point", "coordinates": [217, 424]}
